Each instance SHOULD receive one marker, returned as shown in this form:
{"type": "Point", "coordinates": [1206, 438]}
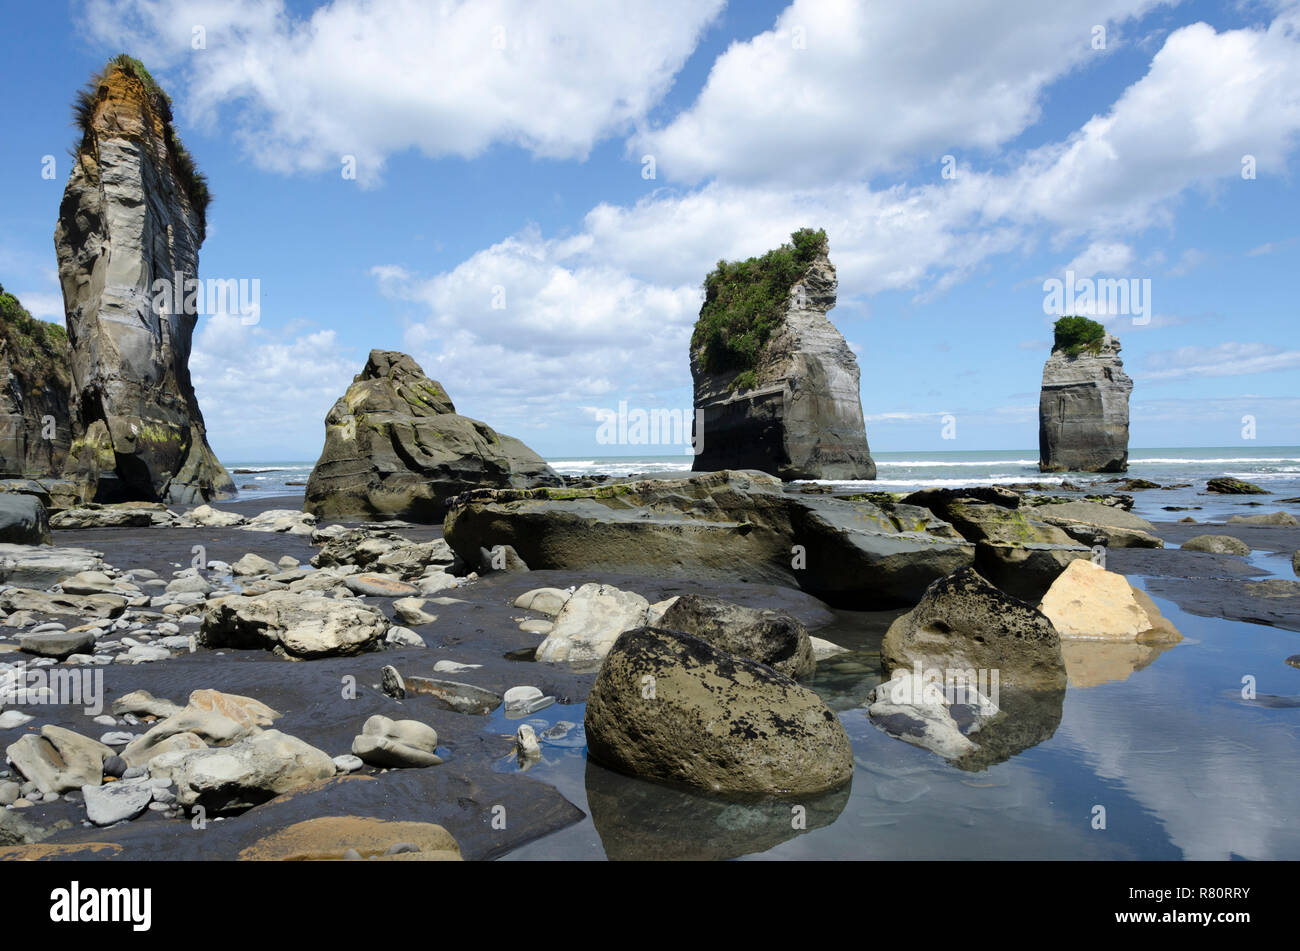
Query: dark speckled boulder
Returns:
{"type": "Point", "coordinates": [670, 707]}
{"type": "Point", "coordinates": [965, 623]}
{"type": "Point", "coordinates": [395, 445]}
{"type": "Point", "coordinates": [23, 520]}
{"type": "Point", "coordinates": [769, 637]}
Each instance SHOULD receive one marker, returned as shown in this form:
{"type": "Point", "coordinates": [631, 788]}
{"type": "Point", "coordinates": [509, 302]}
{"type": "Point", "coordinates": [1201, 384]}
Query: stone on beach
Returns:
{"type": "Point", "coordinates": [1216, 545]}
{"type": "Point", "coordinates": [212, 717]}
{"type": "Point", "coordinates": [116, 802]}
{"type": "Point", "coordinates": [208, 517]}
{"type": "Point", "coordinates": [410, 611]}
{"type": "Point", "coordinates": [245, 774]}
{"type": "Point", "coordinates": [1285, 519]}
{"type": "Point", "coordinates": [671, 707]}
{"type": "Point", "coordinates": [76, 605]}
{"type": "Point", "coordinates": [380, 586]}
{"type": "Point", "coordinates": [1088, 601]}
{"type": "Point", "coordinates": [450, 695]}
{"type": "Point", "coordinates": [59, 644]}
{"type": "Point", "coordinates": [23, 520]}
{"type": "Point", "coordinates": [1094, 523]}
{"type": "Point", "coordinates": [32, 567]}
{"type": "Point", "coordinates": [589, 623]}
{"type": "Point", "coordinates": [327, 838]}
{"type": "Point", "coordinates": [58, 760]}
{"type": "Point", "coordinates": [521, 701]}
{"type": "Point", "coordinates": [296, 626]}
{"type": "Point", "coordinates": [396, 743]}
{"type": "Point", "coordinates": [1229, 486]}
{"type": "Point", "coordinates": [252, 564]}
{"type": "Point", "coordinates": [718, 526]}
{"type": "Point", "coordinates": [543, 600]}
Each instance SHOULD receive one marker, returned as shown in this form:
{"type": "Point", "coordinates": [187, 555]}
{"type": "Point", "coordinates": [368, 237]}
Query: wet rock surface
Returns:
{"type": "Point", "coordinates": [394, 444]}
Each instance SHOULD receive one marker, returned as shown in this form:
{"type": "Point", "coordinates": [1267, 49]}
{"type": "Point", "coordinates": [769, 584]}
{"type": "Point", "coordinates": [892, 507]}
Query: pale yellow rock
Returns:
{"type": "Point", "coordinates": [328, 837]}
{"type": "Point", "coordinates": [1087, 601]}
{"type": "Point", "coordinates": [218, 719]}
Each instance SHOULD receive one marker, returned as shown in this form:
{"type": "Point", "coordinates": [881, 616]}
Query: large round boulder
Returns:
{"type": "Point", "coordinates": [23, 520]}
{"type": "Point", "coordinates": [671, 707]}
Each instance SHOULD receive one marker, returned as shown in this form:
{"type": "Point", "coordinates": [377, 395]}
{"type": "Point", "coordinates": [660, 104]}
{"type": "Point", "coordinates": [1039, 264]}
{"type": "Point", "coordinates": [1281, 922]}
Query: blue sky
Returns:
{"type": "Point", "coordinates": [499, 147]}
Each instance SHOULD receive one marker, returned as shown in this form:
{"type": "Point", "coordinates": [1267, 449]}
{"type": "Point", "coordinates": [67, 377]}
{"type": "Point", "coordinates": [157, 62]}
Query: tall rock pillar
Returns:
{"type": "Point", "coordinates": [132, 215]}
{"type": "Point", "coordinates": [1083, 409]}
{"type": "Point", "coordinates": [776, 385]}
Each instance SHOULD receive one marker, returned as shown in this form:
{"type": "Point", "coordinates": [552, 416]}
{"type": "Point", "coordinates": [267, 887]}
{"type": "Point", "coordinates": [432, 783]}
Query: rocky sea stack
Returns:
{"type": "Point", "coordinates": [395, 445]}
{"type": "Point", "coordinates": [774, 379]}
{"type": "Point", "coordinates": [1083, 409]}
{"type": "Point", "coordinates": [133, 215]}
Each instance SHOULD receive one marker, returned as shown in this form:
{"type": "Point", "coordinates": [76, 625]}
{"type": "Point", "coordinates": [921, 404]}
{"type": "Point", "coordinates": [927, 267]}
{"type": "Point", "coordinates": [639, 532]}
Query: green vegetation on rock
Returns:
{"type": "Point", "coordinates": [35, 348]}
{"type": "Point", "coordinates": [192, 181]}
{"type": "Point", "coordinates": [1077, 334]}
{"type": "Point", "coordinates": [744, 302]}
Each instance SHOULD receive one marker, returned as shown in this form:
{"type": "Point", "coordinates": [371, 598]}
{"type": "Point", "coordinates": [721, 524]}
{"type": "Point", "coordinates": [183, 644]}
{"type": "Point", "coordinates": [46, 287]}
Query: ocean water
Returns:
{"type": "Point", "coordinates": [1275, 468]}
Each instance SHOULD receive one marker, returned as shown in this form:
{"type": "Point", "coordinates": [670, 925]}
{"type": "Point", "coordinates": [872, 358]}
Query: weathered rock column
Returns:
{"type": "Point", "coordinates": [132, 214]}
{"type": "Point", "coordinates": [799, 415]}
{"type": "Point", "coordinates": [1083, 411]}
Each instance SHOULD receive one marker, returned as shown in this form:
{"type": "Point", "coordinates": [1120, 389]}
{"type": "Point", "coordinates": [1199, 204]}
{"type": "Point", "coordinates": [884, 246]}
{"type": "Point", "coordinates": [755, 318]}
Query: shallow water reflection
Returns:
{"type": "Point", "coordinates": [1183, 764]}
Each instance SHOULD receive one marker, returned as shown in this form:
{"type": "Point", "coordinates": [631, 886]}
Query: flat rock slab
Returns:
{"type": "Point", "coordinates": [116, 802]}
{"type": "Point", "coordinates": [58, 644]}
{"type": "Point", "coordinates": [83, 606]}
{"type": "Point", "coordinates": [1256, 602]}
{"type": "Point", "coordinates": [28, 566]}
{"type": "Point", "coordinates": [462, 698]}
{"type": "Point", "coordinates": [380, 586]}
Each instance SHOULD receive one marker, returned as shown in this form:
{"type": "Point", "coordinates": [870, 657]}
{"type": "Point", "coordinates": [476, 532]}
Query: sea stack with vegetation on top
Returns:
{"type": "Point", "coordinates": [133, 214]}
{"type": "Point", "coordinates": [1083, 407]}
{"type": "Point", "coordinates": [775, 381]}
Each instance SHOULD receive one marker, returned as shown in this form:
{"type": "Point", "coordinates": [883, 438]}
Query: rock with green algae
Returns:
{"type": "Point", "coordinates": [395, 445]}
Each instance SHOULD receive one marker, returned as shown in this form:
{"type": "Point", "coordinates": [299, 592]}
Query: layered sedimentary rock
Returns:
{"type": "Point", "coordinates": [1083, 411]}
{"type": "Point", "coordinates": [793, 407]}
{"type": "Point", "coordinates": [728, 526]}
{"type": "Point", "coordinates": [395, 445]}
{"type": "Point", "coordinates": [35, 383]}
{"type": "Point", "coordinates": [132, 215]}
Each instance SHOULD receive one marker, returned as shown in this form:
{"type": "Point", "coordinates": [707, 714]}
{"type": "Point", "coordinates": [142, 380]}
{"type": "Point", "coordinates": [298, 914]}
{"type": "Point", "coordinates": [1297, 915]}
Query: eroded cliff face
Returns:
{"type": "Point", "coordinates": [1083, 411]}
{"type": "Point", "coordinates": [35, 379]}
{"type": "Point", "coordinates": [802, 418]}
{"type": "Point", "coordinates": [395, 445]}
{"type": "Point", "coordinates": [126, 221]}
